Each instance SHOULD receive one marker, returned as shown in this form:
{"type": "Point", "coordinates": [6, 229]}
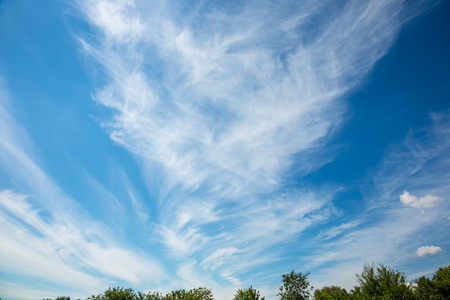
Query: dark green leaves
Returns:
{"type": "Point", "coordinates": [295, 286]}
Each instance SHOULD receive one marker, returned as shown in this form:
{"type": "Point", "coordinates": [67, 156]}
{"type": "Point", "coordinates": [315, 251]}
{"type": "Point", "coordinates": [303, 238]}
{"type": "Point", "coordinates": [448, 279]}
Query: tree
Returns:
{"type": "Point", "coordinates": [201, 293]}
{"type": "Point", "coordinates": [193, 294]}
{"type": "Point", "coordinates": [442, 282]}
{"type": "Point", "coordinates": [150, 296]}
{"type": "Point", "coordinates": [382, 282]}
{"type": "Point", "coordinates": [247, 294]}
{"type": "Point", "coordinates": [355, 293]}
{"type": "Point", "coordinates": [116, 294]}
{"type": "Point", "coordinates": [331, 293]}
{"type": "Point", "coordinates": [425, 288]}
{"type": "Point", "coordinates": [128, 294]}
{"type": "Point", "coordinates": [438, 287]}
{"type": "Point", "coordinates": [176, 295]}
{"type": "Point", "coordinates": [295, 286]}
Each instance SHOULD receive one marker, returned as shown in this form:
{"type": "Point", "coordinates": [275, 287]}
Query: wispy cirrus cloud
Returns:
{"type": "Point", "coordinates": [387, 231]}
{"type": "Point", "coordinates": [65, 249]}
{"type": "Point", "coordinates": [217, 104]}
{"type": "Point", "coordinates": [43, 229]}
{"type": "Point", "coordinates": [227, 109]}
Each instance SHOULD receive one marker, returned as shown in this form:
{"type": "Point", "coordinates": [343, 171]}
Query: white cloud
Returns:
{"type": "Point", "coordinates": [141, 211]}
{"type": "Point", "coordinates": [411, 200]}
{"type": "Point", "coordinates": [235, 114]}
{"type": "Point", "coordinates": [419, 162]}
{"type": "Point", "coordinates": [428, 250]}
{"type": "Point", "coordinates": [62, 246]}
{"type": "Point", "coordinates": [43, 229]}
{"type": "Point", "coordinates": [219, 257]}
{"type": "Point", "coordinates": [227, 111]}
{"type": "Point", "coordinates": [336, 231]}
{"type": "Point", "coordinates": [14, 291]}
{"type": "Point", "coordinates": [219, 109]}
{"type": "Point", "coordinates": [386, 231]}
{"type": "Point", "coordinates": [219, 106]}
{"type": "Point", "coordinates": [28, 254]}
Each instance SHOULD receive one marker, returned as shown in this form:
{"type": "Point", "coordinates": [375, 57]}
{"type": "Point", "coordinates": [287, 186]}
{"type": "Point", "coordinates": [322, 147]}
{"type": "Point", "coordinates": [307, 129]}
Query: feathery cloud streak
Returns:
{"type": "Point", "coordinates": [217, 102]}
{"type": "Point", "coordinates": [391, 232]}
{"type": "Point", "coordinates": [46, 230]}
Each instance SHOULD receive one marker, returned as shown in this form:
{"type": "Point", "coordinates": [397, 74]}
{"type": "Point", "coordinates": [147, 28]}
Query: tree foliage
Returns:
{"type": "Point", "coordinates": [115, 294]}
{"type": "Point", "coordinates": [375, 282]}
{"type": "Point", "coordinates": [150, 296]}
{"type": "Point", "coordinates": [295, 286]}
{"type": "Point", "coordinates": [128, 294]}
{"type": "Point", "coordinates": [382, 282]}
{"type": "Point", "coordinates": [331, 293]}
{"type": "Point", "coordinates": [247, 294]}
{"type": "Point", "coordinates": [193, 294]}
{"type": "Point", "coordinates": [438, 287]}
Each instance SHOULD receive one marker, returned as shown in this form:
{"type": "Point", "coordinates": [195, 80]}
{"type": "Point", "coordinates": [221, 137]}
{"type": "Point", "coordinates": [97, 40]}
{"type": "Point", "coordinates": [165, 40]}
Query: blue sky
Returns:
{"type": "Point", "coordinates": [160, 146]}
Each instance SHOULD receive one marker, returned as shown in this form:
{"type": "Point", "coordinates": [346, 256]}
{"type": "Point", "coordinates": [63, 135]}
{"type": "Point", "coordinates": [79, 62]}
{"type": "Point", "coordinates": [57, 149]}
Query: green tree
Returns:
{"type": "Point", "coordinates": [116, 294]}
{"type": "Point", "coordinates": [331, 293]}
{"type": "Point", "coordinates": [355, 293]}
{"type": "Point", "coordinates": [295, 286]}
{"type": "Point", "coordinates": [176, 295]}
{"type": "Point", "coordinates": [247, 294]}
{"type": "Point", "coordinates": [128, 294]}
{"type": "Point", "coordinates": [382, 282]}
{"type": "Point", "coordinates": [442, 282]}
{"type": "Point", "coordinates": [201, 293]}
{"type": "Point", "coordinates": [193, 294]}
{"type": "Point", "coordinates": [438, 287]}
{"type": "Point", "coordinates": [425, 289]}
{"type": "Point", "coordinates": [150, 296]}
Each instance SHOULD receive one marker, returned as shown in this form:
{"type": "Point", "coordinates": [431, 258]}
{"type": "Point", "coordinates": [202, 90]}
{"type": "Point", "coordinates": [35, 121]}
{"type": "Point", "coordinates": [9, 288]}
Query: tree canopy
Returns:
{"type": "Point", "coordinates": [247, 294]}
{"type": "Point", "coordinates": [295, 286]}
{"type": "Point", "coordinates": [331, 293]}
{"type": "Point", "coordinates": [375, 282]}
{"type": "Point", "coordinates": [200, 293]}
{"type": "Point", "coordinates": [383, 282]}
{"type": "Point", "coordinates": [437, 287]}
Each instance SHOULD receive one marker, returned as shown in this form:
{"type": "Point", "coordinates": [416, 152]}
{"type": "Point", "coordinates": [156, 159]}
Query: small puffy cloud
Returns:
{"type": "Point", "coordinates": [428, 250]}
{"type": "Point", "coordinates": [411, 200]}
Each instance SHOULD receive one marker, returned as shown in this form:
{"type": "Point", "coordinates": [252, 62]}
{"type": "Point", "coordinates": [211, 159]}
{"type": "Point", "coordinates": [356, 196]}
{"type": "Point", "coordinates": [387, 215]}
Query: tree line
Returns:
{"type": "Point", "coordinates": [375, 282]}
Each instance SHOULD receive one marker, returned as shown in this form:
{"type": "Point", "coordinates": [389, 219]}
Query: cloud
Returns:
{"type": "Point", "coordinates": [14, 291]}
{"type": "Point", "coordinates": [336, 231]}
{"type": "Point", "coordinates": [428, 250]}
{"type": "Point", "coordinates": [62, 246]}
{"type": "Point", "coordinates": [44, 229]}
{"type": "Point", "coordinates": [385, 231]}
{"type": "Point", "coordinates": [411, 200]}
{"type": "Point", "coordinates": [195, 128]}
{"type": "Point", "coordinates": [219, 257]}
{"type": "Point", "coordinates": [418, 163]}
{"type": "Point", "coordinates": [221, 108]}
{"type": "Point", "coordinates": [28, 254]}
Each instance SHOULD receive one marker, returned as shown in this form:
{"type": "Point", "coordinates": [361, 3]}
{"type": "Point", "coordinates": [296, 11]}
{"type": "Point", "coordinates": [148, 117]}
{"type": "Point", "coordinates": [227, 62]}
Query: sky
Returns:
{"type": "Point", "coordinates": [164, 145]}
